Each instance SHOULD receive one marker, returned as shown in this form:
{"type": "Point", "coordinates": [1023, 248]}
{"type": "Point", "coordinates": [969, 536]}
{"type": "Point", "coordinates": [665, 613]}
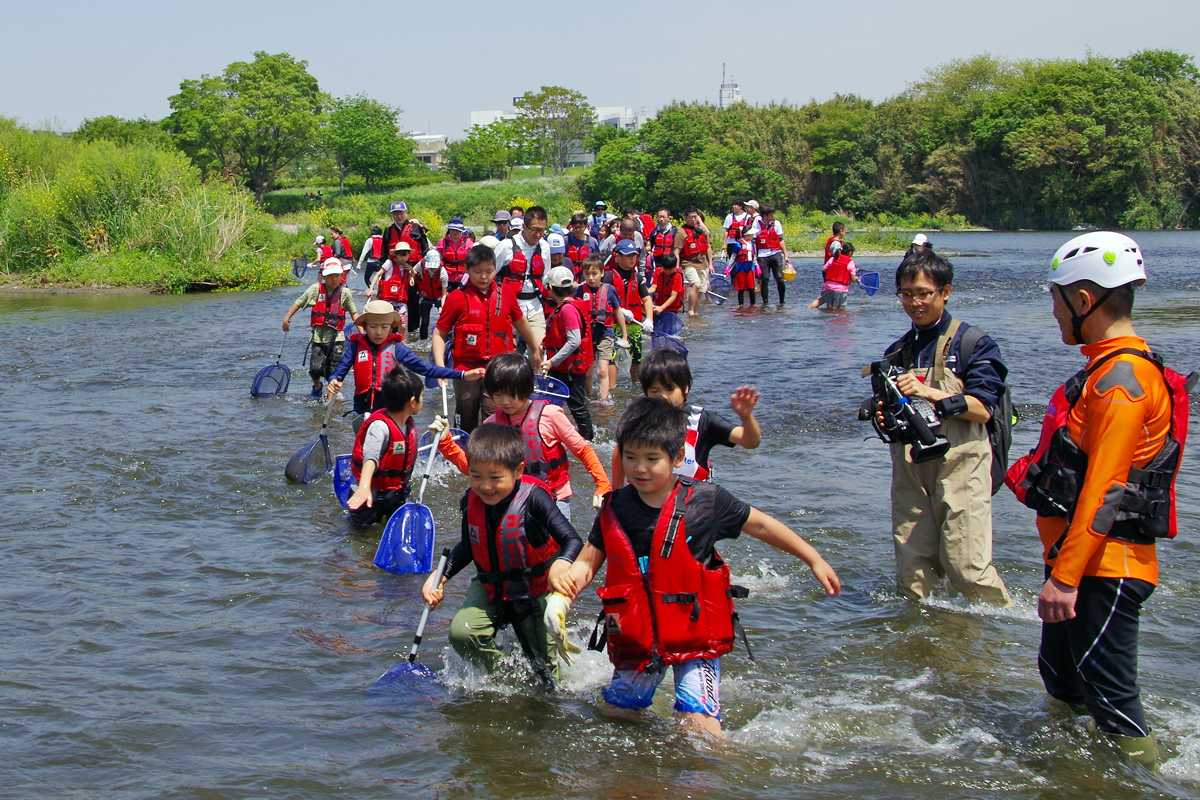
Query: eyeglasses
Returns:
{"type": "Point", "coordinates": [919, 297]}
{"type": "Point", "coordinates": [536, 231]}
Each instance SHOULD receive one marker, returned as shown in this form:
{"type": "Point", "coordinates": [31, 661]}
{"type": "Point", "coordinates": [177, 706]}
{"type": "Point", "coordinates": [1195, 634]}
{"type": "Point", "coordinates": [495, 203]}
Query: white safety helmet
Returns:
{"type": "Point", "coordinates": [1106, 258]}
{"type": "Point", "coordinates": [319, 240]}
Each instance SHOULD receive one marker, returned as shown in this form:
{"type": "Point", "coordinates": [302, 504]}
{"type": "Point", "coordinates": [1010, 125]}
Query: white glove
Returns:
{"type": "Point", "coordinates": [623, 344]}
{"type": "Point", "coordinates": [648, 326]}
{"type": "Point", "coordinates": [555, 618]}
{"type": "Point", "coordinates": [439, 425]}
{"type": "Point", "coordinates": [628, 314]}
{"type": "Point", "coordinates": [597, 500]}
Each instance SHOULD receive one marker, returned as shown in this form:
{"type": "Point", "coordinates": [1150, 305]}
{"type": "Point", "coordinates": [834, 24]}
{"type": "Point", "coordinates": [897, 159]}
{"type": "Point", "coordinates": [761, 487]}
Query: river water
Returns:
{"type": "Point", "coordinates": [180, 622]}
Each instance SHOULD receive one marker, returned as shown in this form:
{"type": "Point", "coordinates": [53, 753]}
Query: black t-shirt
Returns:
{"type": "Point", "coordinates": [712, 430]}
{"type": "Point", "coordinates": [711, 514]}
{"type": "Point", "coordinates": [542, 521]}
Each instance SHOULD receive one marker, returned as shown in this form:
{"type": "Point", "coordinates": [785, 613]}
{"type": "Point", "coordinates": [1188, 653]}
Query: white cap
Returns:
{"type": "Point", "coordinates": [920, 239]}
{"type": "Point", "coordinates": [319, 240]}
{"type": "Point", "coordinates": [1106, 258]}
{"type": "Point", "coordinates": [560, 278]}
{"type": "Point", "coordinates": [490, 241]}
{"type": "Point", "coordinates": [557, 243]}
{"type": "Point", "coordinates": [516, 223]}
{"type": "Point", "coordinates": [752, 204]}
{"type": "Point", "coordinates": [332, 266]}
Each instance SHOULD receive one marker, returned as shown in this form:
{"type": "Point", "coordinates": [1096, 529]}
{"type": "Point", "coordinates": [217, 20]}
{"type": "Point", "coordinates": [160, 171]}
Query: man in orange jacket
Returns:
{"type": "Point", "coordinates": [1112, 421]}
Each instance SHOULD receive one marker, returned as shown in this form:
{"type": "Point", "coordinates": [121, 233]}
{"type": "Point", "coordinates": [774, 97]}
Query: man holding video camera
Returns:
{"type": "Point", "coordinates": [934, 410]}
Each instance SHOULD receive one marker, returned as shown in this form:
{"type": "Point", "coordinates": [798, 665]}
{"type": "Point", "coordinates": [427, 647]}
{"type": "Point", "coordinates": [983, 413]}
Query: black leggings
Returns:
{"type": "Point", "coordinates": [742, 293]}
{"type": "Point", "coordinates": [426, 308]}
{"type": "Point", "coordinates": [771, 265]}
{"type": "Point", "coordinates": [1091, 659]}
{"type": "Point", "coordinates": [577, 403]}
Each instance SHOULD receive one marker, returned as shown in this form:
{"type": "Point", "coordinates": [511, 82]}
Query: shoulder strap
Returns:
{"type": "Point", "coordinates": [943, 350]}
{"type": "Point", "coordinates": [682, 490]}
{"type": "Point", "coordinates": [1074, 387]}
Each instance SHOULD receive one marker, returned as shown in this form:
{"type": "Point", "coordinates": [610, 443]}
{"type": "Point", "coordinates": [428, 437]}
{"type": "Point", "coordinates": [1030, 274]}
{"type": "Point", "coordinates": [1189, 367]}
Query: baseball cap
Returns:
{"type": "Point", "coordinates": [752, 204]}
{"type": "Point", "coordinates": [399, 205]}
{"type": "Point", "coordinates": [502, 216]}
{"type": "Point", "coordinates": [625, 247]}
{"type": "Point", "coordinates": [516, 223]}
{"type": "Point", "coordinates": [490, 241]}
{"type": "Point", "coordinates": [319, 240]}
{"type": "Point", "coordinates": [560, 277]}
{"type": "Point", "coordinates": [331, 266]}
{"type": "Point", "coordinates": [557, 243]}
{"type": "Point", "coordinates": [920, 238]}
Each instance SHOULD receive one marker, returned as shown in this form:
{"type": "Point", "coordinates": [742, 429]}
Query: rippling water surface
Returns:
{"type": "Point", "coordinates": [182, 622]}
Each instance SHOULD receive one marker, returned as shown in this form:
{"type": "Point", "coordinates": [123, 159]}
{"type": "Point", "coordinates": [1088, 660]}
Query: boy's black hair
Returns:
{"type": "Point", "coordinates": [1119, 304]}
{"type": "Point", "coordinates": [766, 209]}
{"type": "Point", "coordinates": [535, 213]}
{"type": "Point", "coordinates": [650, 422]}
{"type": "Point", "coordinates": [664, 208]}
{"type": "Point", "coordinates": [518, 209]}
{"type": "Point", "coordinates": [480, 254]}
{"type": "Point", "coordinates": [939, 270]}
{"type": "Point", "coordinates": [666, 367]}
{"type": "Point", "coordinates": [741, 201]}
{"type": "Point", "coordinates": [593, 260]}
{"type": "Point", "coordinates": [629, 211]}
{"type": "Point", "coordinates": [510, 374]}
{"type": "Point", "coordinates": [838, 227]}
{"type": "Point", "coordinates": [666, 261]}
{"type": "Point", "coordinates": [579, 218]}
{"type": "Point", "coordinates": [400, 385]}
{"type": "Point", "coordinates": [689, 209]}
{"type": "Point", "coordinates": [376, 230]}
{"type": "Point", "coordinates": [493, 443]}
{"type": "Point", "coordinates": [847, 248]}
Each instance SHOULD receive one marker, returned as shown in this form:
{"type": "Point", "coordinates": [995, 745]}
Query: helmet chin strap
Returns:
{"type": "Point", "coordinates": [1077, 319]}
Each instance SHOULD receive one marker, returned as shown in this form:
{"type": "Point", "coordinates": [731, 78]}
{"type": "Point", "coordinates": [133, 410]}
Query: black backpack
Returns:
{"type": "Point", "coordinates": [1004, 417]}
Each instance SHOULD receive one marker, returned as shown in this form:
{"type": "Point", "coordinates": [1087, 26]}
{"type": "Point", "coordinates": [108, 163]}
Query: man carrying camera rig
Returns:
{"type": "Point", "coordinates": [941, 483]}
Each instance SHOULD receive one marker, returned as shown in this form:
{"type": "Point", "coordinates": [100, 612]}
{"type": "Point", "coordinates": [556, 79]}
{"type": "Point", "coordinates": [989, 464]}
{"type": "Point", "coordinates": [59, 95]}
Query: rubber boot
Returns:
{"type": "Point", "coordinates": [1141, 750]}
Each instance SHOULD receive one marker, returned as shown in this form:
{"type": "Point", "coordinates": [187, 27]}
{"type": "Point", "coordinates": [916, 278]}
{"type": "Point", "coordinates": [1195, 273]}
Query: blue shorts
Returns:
{"type": "Point", "coordinates": [697, 687]}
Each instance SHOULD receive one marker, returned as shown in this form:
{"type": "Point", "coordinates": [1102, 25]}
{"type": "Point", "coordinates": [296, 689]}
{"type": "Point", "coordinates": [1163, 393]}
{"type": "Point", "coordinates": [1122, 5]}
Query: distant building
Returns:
{"type": "Point", "coordinates": [482, 118]}
{"type": "Point", "coordinates": [730, 93]}
{"type": "Point", "coordinates": [627, 119]}
{"type": "Point", "coordinates": [430, 148]}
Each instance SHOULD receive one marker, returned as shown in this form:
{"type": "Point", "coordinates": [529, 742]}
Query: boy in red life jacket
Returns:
{"type": "Point", "coordinates": [579, 242]}
{"type": "Point", "coordinates": [1104, 489]}
{"type": "Point", "coordinates": [385, 450]}
{"type": "Point", "coordinates": [330, 302]}
{"type": "Point", "coordinates": [839, 272]}
{"type": "Point", "coordinates": [667, 286]}
{"type": "Point", "coordinates": [833, 244]}
{"type": "Point", "coordinates": [667, 597]}
{"type": "Point", "coordinates": [667, 376]}
{"type": "Point", "coordinates": [480, 320]}
{"type": "Point", "coordinates": [604, 312]}
{"type": "Point", "coordinates": [521, 545]}
{"type": "Point", "coordinates": [374, 354]}
{"type": "Point", "coordinates": [545, 429]}
{"type": "Point", "coordinates": [429, 282]}
{"type": "Point", "coordinates": [568, 345]}
{"type": "Point", "coordinates": [372, 256]}
{"type": "Point", "coordinates": [392, 282]}
{"type": "Point", "coordinates": [635, 297]}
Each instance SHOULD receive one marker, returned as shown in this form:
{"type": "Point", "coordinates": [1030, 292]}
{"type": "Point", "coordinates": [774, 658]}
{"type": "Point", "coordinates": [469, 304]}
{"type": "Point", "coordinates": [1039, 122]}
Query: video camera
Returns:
{"type": "Point", "coordinates": [908, 420]}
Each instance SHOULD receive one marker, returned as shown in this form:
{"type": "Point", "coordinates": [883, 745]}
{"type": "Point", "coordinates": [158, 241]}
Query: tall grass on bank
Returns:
{"type": "Point", "coordinates": [106, 214]}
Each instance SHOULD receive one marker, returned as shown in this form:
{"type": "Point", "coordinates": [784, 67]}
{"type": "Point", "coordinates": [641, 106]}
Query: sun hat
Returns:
{"type": "Point", "coordinates": [560, 278]}
{"type": "Point", "coordinates": [502, 216]}
{"type": "Point", "coordinates": [332, 266]}
{"type": "Point", "coordinates": [599, 204]}
{"type": "Point", "coordinates": [556, 228]}
{"type": "Point", "coordinates": [401, 245]}
{"type": "Point", "coordinates": [379, 311]}
{"type": "Point", "coordinates": [456, 224]}
{"type": "Point", "coordinates": [399, 205]}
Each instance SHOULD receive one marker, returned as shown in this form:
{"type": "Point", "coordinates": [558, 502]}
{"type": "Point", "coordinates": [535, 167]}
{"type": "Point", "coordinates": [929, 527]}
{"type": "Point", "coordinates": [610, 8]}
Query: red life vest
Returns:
{"type": "Point", "coordinates": [429, 283]}
{"type": "Point", "coordinates": [768, 237]}
{"type": "Point", "coordinates": [328, 312]}
{"type": "Point", "coordinates": [519, 271]}
{"type": "Point", "coordinates": [548, 464]}
{"type": "Point", "coordinates": [738, 227]}
{"type": "Point", "coordinates": [371, 363]}
{"type": "Point", "coordinates": [599, 304]}
{"type": "Point", "coordinates": [398, 456]}
{"type": "Point", "coordinates": [509, 566]}
{"type": "Point", "coordinates": [454, 257]}
{"type": "Point", "coordinates": [394, 287]}
{"type": "Point", "coordinates": [485, 330]}
{"type": "Point", "coordinates": [628, 293]}
{"type": "Point", "coordinates": [346, 247]}
{"type": "Point", "coordinates": [324, 251]}
{"type": "Point", "coordinates": [839, 270]}
{"type": "Point", "coordinates": [578, 252]}
{"type": "Point", "coordinates": [377, 247]}
{"type": "Point", "coordinates": [662, 242]}
{"type": "Point", "coordinates": [647, 222]}
{"type": "Point", "coordinates": [696, 243]}
{"type": "Point", "coordinates": [556, 337]}
{"type": "Point", "coordinates": [828, 252]}
{"type": "Point", "coordinates": [405, 234]}
{"type": "Point", "coordinates": [1049, 479]}
{"type": "Point", "coordinates": [674, 611]}
{"type": "Point", "coordinates": [691, 467]}
{"type": "Point", "coordinates": [664, 284]}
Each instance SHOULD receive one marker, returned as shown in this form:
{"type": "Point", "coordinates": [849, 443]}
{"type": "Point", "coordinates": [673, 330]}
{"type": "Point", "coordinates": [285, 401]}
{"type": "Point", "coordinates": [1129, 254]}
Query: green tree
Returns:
{"type": "Point", "coordinates": [555, 121]}
{"type": "Point", "coordinates": [488, 152]}
{"type": "Point", "coordinates": [251, 121]}
{"type": "Point", "coordinates": [363, 139]}
{"type": "Point", "coordinates": [121, 131]}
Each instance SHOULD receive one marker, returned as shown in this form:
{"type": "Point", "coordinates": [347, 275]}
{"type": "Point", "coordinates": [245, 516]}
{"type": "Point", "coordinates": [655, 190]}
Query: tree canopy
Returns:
{"type": "Point", "coordinates": [554, 122]}
{"type": "Point", "coordinates": [363, 139]}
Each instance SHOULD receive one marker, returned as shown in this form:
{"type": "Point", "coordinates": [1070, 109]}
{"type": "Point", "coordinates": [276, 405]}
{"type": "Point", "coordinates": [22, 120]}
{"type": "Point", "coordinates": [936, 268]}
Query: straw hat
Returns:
{"type": "Point", "coordinates": [379, 311]}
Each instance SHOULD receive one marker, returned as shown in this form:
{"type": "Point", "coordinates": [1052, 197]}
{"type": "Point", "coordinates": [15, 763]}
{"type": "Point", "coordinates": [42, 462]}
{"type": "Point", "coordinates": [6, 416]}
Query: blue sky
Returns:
{"type": "Point", "coordinates": [67, 60]}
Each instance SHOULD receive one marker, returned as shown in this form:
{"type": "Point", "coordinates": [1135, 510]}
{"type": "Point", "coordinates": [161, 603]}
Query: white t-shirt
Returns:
{"type": "Point", "coordinates": [758, 228]}
{"type": "Point", "coordinates": [504, 257]}
{"type": "Point", "coordinates": [730, 219]}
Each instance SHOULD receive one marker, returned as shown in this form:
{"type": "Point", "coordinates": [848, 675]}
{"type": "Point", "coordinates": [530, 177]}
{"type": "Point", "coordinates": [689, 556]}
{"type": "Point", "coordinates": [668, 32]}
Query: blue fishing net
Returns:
{"type": "Point", "coordinates": [670, 342]}
{"type": "Point", "coordinates": [869, 282]}
{"type": "Point", "coordinates": [669, 323]}
{"type": "Point", "coordinates": [550, 389]}
{"type": "Point", "coordinates": [719, 284]}
{"type": "Point", "coordinates": [406, 546]}
{"type": "Point", "coordinates": [299, 266]}
{"type": "Point", "coordinates": [310, 462]}
{"type": "Point", "coordinates": [720, 268]}
{"type": "Point", "coordinates": [271, 380]}
{"type": "Point", "coordinates": [343, 479]}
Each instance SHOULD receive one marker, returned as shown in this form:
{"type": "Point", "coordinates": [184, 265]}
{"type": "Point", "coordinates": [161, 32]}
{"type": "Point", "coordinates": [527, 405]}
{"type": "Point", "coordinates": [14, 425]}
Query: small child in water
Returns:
{"type": "Point", "coordinates": [839, 272]}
